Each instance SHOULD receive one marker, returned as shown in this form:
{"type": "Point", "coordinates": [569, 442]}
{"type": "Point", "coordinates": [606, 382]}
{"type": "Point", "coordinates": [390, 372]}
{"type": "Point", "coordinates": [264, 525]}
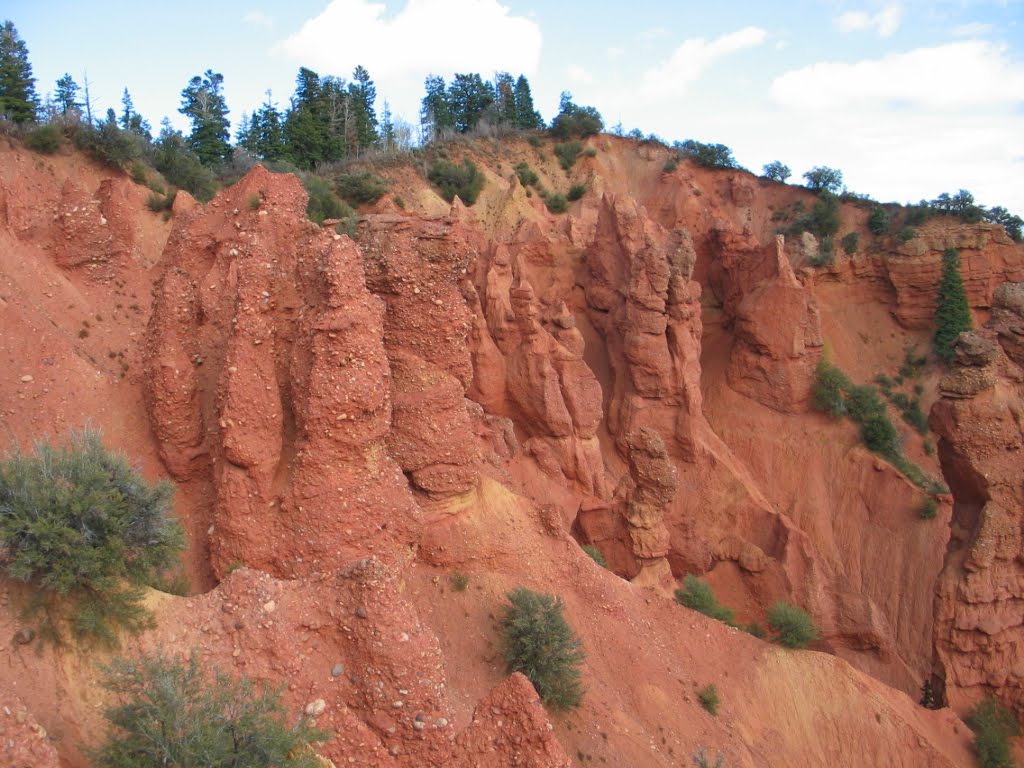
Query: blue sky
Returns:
{"type": "Point", "coordinates": [908, 98]}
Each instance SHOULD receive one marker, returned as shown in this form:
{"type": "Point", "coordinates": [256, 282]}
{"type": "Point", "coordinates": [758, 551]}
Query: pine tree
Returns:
{"type": "Point", "coordinates": [504, 91]}
{"type": "Point", "coordinates": [527, 118]}
{"type": "Point", "coordinates": [18, 100]}
{"type": "Point", "coordinates": [202, 101]}
{"type": "Point", "coordinates": [66, 95]}
{"type": "Point", "coordinates": [469, 97]}
{"type": "Point", "coordinates": [952, 312]}
{"type": "Point", "coordinates": [363, 94]}
{"type": "Point", "coordinates": [436, 116]}
{"type": "Point", "coordinates": [388, 139]}
{"type": "Point", "coordinates": [131, 120]}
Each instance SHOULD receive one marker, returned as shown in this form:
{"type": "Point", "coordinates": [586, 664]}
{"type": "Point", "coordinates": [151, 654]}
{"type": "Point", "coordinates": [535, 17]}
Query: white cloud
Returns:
{"type": "Point", "coordinates": [972, 73]}
{"type": "Point", "coordinates": [424, 37]}
{"type": "Point", "coordinates": [689, 60]}
{"type": "Point", "coordinates": [615, 52]}
{"type": "Point", "coordinates": [578, 74]}
{"type": "Point", "coordinates": [258, 18]}
{"type": "Point", "coordinates": [974, 29]}
{"type": "Point", "coordinates": [885, 22]}
{"type": "Point", "coordinates": [654, 33]}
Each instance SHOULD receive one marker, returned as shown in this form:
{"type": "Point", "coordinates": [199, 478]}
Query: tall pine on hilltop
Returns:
{"type": "Point", "coordinates": [952, 313]}
{"type": "Point", "coordinates": [18, 100]}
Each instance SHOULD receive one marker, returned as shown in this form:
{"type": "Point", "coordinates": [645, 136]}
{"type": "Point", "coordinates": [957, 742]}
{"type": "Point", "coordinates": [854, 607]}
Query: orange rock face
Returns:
{"type": "Point", "coordinates": [979, 631]}
{"type": "Point", "coordinates": [350, 422]}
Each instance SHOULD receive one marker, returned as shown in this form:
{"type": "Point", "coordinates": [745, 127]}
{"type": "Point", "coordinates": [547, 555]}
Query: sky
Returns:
{"type": "Point", "coordinates": [908, 98]}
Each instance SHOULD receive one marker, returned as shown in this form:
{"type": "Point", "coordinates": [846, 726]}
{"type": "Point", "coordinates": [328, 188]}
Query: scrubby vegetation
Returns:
{"type": "Point", "coordinates": [83, 527]}
{"type": "Point", "coordinates": [459, 581]}
{"type": "Point", "coordinates": [708, 698]}
{"type": "Point", "coordinates": [698, 595]}
{"type": "Point", "coordinates": [171, 712]}
{"type": "Point", "coordinates": [708, 155]}
{"type": "Point", "coordinates": [538, 642]}
{"type": "Point", "coordinates": [323, 203]}
{"type": "Point", "coordinates": [46, 139]}
{"type": "Point", "coordinates": [792, 626]}
{"type": "Point", "coordinates": [464, 180]}
{"type": "Point", "coordinates": [993, 727]}
{"type": "Point", "coordinates": [557, 203]}
{"type": "Point", "coordinates": [567, 154]}
{"type": "Point", "coordinates": [360, 187]}
{"type": "Point", "coordinates": [776, 171]}
{"type": "Point", "coordinates": [835, 394]}
{"type": "Point", "coordinates": [595, 555]}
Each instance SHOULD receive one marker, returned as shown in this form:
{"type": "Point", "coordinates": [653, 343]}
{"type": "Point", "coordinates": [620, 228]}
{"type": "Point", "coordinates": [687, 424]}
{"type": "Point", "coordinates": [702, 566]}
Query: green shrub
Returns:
{"type": "Point", "coordinates": [85, 529]}
{"type": "Point", "coordinates": [670, 165]}
{"type": "Point", "coordinates": [157, 202]}
{"type": "Point", "coordinates": [928, 509]}
{"type": "Point", "coordinates": [906, 234]}
{"type": "Point", "coordinates": [45, 140]}
{"type": "Point", "coordinates": [698, 595]}
{"type": "Point", "coordinates": [534, 141]}
{"type": "Point", "coordinates": [591, 152]}
{"type": "Point", "coordinates": [323, 203]}
{"type": "Point", "coordinates": [595, 555]}
{"type": "Point", "coordinates": [169, 712]}
{"type": "Point", "coordinates": [827, 392]}
{"type": "Point", "coordinates": [916, 215]}
{"type": "Point", "coordinates": [462, 180]}
{"type": "Point", "coordinates": [701, 759]}
{"type": "Point", "coordinates": [360, 187]}
{"type": "Point", "coordinates": [993, 727]}
{"type": "Point", "coordinates": [755, 629]}
{"type": "Point", "coordinates": [527, 176]}
{"type": "Point", "coordinates": [138, 172]}
{"type": "Point", "coordinates": [178, 164]}
{"type": "Point", "coordinates": [792, 626]}
{"type": "Point", "coordinates": [576, 191]}
{"type": "Point", "coordinates": [878, 220]}
{"type": "Point", "coordinates": [557, 203]}
{"type": "Point", "coordinates": [538, 642]}
{"type": "Point", "coordinates": [567, 154]}
{"type": "Point", "coordinates": [108, 144]}
{"type": "Point", "coordinates": [708, 155]}
{"type": "Point", "coordinates": [952, 312]}
{"type": "Point", "coordinates": [850, 242]}
{"type": "Point", "coordinates": [708, 698]}
{"type": "Point", "coordinates": [459, 581]}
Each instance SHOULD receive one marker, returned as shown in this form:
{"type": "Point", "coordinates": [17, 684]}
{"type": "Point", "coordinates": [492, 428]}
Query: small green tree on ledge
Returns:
{"type": "Point", "coordinates": [952, 313]}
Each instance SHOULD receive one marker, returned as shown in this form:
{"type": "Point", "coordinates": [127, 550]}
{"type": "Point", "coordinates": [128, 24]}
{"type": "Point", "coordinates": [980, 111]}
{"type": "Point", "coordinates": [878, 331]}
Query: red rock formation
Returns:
{"type": "Point", "coordinates": [979, 630]}
{"type": "Point", "coordinates": [267, 362]}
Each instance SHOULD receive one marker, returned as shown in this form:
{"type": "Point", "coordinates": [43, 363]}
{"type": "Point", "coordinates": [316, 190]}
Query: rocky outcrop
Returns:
{"type": "Point", "coordinates": [646, 493]}
{"type": "Point", "coordinates": [777, 339]}
{"type": "Point", "coordinates": [979, 629]}
{"type": "Point", "coordinates": [269, 377]}
{"type": "Point", "coordinates": [988, 257]}
{"type": "Point", "coordinates": [1008, 319]}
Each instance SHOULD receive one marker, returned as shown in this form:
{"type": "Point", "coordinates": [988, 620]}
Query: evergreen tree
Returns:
{"type": "Point", "coordinates": [388, 139]}
{"type": "Point", "coordinates": [18, 100]}
{"type": "Point", "coordinates": [202, 101]}
{"type": "Point", "coordinates": [436, 117]}
{"type": "Point", "coordinates": [469, 97]}
{"type": "Point", "coordinates": [264, 134]}
{"type": "Point", "coordinates": [131, 120]}
{"type": "Point", "coordinates": [363, 95]}
{"type": "Point", "coordinates": [527, 118]}
{"type": "Point", "coordinates": [952, 312]}
{"type": "Point", "coordinates": [305, 130]}
{"type": "Point", "coordinates": [504, 91]}
{"type": "Point", "coordinates": [66, 96]}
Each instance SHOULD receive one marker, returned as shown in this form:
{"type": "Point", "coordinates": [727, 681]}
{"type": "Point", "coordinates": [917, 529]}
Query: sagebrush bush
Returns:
{"type": "Point", "coordinates": [698, 595]}
{"type": "Point", "coordinates": [993, 727]}
{"type": "Point", "coordinates": [170, 712]}
{"type": "Point", "coordinates": [85, 529]}
{"type": "Point", "coordinates": [538, 642]}
{"type": "Point", "coordinates": [45, 140]}
{"type": "Point", "coordinates": [323, 203]}
{"type": "Point", "coordinates": [527, 176]}
{"type": "Point", "coordinates": [567, 154]}
{"type": "Point", "coordinates": [708, 698]}
{"type": "Point", "coordinates": [576, 191]}
{"type": "Point", "coordinates": [850, 243]}
{"type": "Point", "coordinates": [792, 626]}
{"type": "Point", "coordinates": [451, 179]}
{"type": "Point", "coordinates": [595, 555]}
{"type": "Point", "coordinates": [360, 187]}
{"type": "Point", "coordinates": [557, 203]}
